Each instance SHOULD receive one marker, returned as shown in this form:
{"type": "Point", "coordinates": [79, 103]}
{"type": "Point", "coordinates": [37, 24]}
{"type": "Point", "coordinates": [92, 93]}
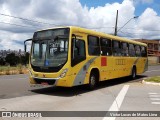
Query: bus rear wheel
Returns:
{"type": "Point", "coordinates": [133, 76]}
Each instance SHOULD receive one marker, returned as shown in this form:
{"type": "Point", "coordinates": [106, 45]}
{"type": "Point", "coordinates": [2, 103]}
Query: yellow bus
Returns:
{"type": "Point", "coordinates": [71, 56]}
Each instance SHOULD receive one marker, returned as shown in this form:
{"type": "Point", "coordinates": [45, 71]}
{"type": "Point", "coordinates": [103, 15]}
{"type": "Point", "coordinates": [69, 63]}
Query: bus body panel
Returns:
{"type": "Point", "coordinates": [109, 67]}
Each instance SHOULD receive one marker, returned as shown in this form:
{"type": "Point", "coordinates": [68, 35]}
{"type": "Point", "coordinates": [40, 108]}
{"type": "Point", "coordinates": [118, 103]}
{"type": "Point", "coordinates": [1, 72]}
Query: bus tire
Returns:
{"type": "Point", "coordinates": [92, 81]}
{"type": "Point", "coordinates": [134, 73]}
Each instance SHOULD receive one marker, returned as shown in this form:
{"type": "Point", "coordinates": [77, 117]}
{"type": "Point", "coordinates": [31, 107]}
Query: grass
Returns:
{"type": "Point", "coordinates": [10, 70]}
{"type": "Point", "coordinates": [3, 68]}
{"type": "Point", "coordinates": [155, 79]}
{"type": "Point", "coordinates": [153, 64]}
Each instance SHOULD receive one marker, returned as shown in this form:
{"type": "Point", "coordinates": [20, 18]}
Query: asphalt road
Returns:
{"type": "Point", "coordinates": [120, 94]}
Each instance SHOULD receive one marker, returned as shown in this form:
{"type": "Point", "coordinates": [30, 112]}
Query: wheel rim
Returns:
{"type": "Point", "coordinates": [93, 80]}
{"type": "Point", "coordinates": [134, 73]}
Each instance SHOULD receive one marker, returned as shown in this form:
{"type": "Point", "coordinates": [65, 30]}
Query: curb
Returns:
{"type": "Point", "coordinates": [150, 83]}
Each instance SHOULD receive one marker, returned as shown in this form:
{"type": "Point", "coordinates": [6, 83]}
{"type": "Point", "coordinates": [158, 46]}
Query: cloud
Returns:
{"type": "Point", "coordinates": [18, 42]}
{"type": "Point", "coordinates": [11, 40]}
{"type": "Point", "coordinates": [106, 16]}
{"type": "Point", "coordinates": [71, 12]}
{"type": "Point", "coordinates": [148, 23]}
{"type": "Point", "coordinates": [143, 1]}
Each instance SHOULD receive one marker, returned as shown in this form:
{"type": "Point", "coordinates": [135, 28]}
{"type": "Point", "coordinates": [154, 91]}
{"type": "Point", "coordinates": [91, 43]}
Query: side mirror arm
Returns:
{"type": "Point", "coordinates": [25, 48]}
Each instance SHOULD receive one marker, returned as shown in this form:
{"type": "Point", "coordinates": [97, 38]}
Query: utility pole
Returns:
{"type": "Point", "coordinates": [115, 32]}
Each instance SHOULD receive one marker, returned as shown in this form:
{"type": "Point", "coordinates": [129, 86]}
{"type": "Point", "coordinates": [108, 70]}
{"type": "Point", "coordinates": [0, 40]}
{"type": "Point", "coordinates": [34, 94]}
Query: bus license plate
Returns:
{"type": "Point", "coordinates": [44, 83]}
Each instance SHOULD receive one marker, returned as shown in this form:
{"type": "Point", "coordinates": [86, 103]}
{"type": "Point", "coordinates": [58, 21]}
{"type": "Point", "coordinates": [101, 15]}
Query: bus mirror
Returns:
{"type": "Point", "coordinates": [25, 46]}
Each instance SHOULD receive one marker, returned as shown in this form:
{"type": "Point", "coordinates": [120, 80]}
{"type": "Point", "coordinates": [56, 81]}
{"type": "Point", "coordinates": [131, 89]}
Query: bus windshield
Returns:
{"type": "Point", "coordinates": [49, 51]}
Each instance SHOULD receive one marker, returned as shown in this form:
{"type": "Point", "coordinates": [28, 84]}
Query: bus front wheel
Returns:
{"type": "Point", "coordinates": [92, 81]}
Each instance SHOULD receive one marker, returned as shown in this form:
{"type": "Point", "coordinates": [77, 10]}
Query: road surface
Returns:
{"type": "Point", "coordinates": [120, 94]}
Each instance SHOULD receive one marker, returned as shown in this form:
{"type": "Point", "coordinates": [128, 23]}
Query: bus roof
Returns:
{"type": "Point", "coordinates": [92, 32]}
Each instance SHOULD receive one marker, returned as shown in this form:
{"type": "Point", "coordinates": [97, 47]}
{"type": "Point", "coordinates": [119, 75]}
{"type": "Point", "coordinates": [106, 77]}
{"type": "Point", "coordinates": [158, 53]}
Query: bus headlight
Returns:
{"type": "Point", "coordinates": [63, 74]}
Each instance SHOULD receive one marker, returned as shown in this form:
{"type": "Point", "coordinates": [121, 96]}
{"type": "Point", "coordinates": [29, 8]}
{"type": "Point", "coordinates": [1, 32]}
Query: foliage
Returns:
{"type": "Point", "coordinates": [13, 64]}
{"type": "Point", "coordinates": [25, 59]}
{"type": "Point", "coordinates": [20, 69]}
{"type": "Point", "coordinates": [2, 61]}
{"type": "Point", "coordinates": [14, 60]}
{"type": "Point", "coordinates": [11, 70]}
{"type": "Point", "coordinates": [8, 71]}
{"type": "Point", "coordinates": [153, 79]}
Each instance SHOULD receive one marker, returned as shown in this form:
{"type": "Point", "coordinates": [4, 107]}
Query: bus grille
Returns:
{"type": "Point", "coordinates": [40, 81]}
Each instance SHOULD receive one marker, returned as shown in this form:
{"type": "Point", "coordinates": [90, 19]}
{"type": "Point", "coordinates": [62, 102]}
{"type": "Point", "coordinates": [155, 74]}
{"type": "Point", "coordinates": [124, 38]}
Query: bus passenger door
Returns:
{"type": "Point", "coordinates": [78, 58]}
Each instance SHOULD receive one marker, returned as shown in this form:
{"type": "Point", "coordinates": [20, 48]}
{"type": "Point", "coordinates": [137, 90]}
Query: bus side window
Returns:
{"type": "Point", "coordinates": [124, 47]}
{"type": "Point", "coordinates": [78, 51]}
{"type": "Point", "coordinates": [143, 51]}
{"type": "Point", "coordinates": [93, 45]}
{"type": "Point", "coordinates": [131, 50]}
{"type": "Point", "coordinates": [116, 48]}
{"type": "Point", "coordinates": [106, 49]}
{"type": "Point", "coordinates": [138, 50]}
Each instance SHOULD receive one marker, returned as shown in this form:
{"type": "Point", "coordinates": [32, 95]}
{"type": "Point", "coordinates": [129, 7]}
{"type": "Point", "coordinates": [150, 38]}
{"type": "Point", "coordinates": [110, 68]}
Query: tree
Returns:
{"type": "Point", "coordinates": [12, 59]}
{"type": "Point", "coordinates": [25, 59]}
{"type": "Point", "coordinates": [2, 61]}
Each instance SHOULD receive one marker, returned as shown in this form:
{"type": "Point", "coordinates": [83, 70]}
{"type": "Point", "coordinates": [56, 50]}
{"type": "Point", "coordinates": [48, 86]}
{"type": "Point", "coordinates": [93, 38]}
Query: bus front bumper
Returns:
{"type": "Point", "coordinates": [50, 81]}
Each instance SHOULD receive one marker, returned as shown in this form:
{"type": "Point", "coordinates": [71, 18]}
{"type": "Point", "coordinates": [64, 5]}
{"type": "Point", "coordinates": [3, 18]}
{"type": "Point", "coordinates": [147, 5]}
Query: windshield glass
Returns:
{"type": "Point", "coordinates": [51, 52]}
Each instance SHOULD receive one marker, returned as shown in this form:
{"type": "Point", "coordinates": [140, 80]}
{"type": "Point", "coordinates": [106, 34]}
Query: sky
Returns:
{"type": "Point", "coordinates": [19, 19]}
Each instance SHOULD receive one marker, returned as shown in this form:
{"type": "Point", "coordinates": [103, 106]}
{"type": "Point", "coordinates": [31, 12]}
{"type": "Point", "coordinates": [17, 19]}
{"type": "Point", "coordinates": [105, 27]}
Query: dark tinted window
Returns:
{"type": "Point", "coordinates": [116, 48]}
{"type": "Point", "coordinates": [78, 51]}
{"type": "Point", "coordinates": [143, 51]}
{"type": "Point", "coordinates": [93, 45]}
{"type": "Point", "coordinates": [51, 33]}
{"type": "Point", "coordinates": [124, 49]}
{"type": "Point", "coordinates": [106, 48]}
{"type": "Point", "coordinates": [131, 50]}
{"type": "Point", "coordinates": [138, 50]}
